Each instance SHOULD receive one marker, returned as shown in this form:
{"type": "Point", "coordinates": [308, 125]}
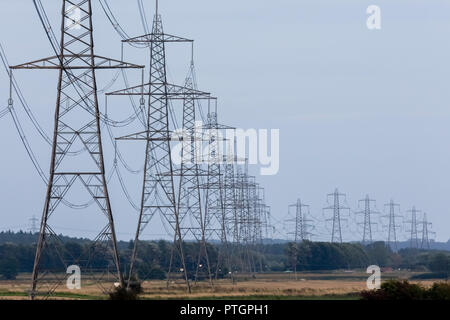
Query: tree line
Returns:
{"type": "Point", "coordinates": [17, 256]}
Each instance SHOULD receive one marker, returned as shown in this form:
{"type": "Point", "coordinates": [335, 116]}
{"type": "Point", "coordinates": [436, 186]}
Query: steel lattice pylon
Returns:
{"type": "Point", "coordinates": [392, 224]}
{"type": "Point", "coordinates": [425, 244]}
{"type": "Point", "coordinates": [230, 201]}
{"type": "Point", "coordinates": [301, 231]}
{"type": "Point", "coordinates": [247, 220]}
{"type": "Point", "coordinates": [158, 190]}
{"type": "Point", "coordinates": [414, 235]}
{"type": "Point", "coordinates": [337, 208]}
{"type": "Point", "coordinates": [214, 224]}
{"type": "Point", "coordinates": [245, 223]}
{"type": "Point", "coordinates": [76, 132]}
{"type": "Point", "coordinates": [189, 195]}
{"type": "Point", "coordinates": [368, 212]}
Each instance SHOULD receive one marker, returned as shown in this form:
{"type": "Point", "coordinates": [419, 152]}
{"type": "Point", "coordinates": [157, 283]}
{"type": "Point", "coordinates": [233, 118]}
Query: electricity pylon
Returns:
{"type": "Point", "coordinates": [256, 220]}
{"type": "Point", "coordinates": [230, 201]}
{"type": "Point", "coordinates": [414, 235]}
{"type": "Point", "coordinates": [76, 132]}
{"type": "Point", "coordinates": [233, 205]}
{"type": "Point", "coordinates": [392, 224]}
{"type": "Point", "coordinates": [301, 231]}
{"type": "Point", "coordinates": [158, 189]}
{"type": "Point", "coordinates": [189, 195]}
{"type": "Point", "coordinates": [243, 218]}
{"type": "Point", "coordinates": [337, 208]}
{"type": "Point", "coordinates": [263, 214]}
{"type": "Point", "coordinates": [302, 226]}
{"type": "Point", "coordinates": [215, 219]}
{"type": "Point", "coordinates": [425, 244]}
{"type": "Point", "coordinates": [34, 222]}
{"type": "Point", "coordinates": [368, 212]}
{"type": "Point", "coordinates": [252, 218]}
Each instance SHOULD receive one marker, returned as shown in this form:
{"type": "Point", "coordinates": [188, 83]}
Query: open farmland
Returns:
{"type": "Point", "coordinates": [332, 285]}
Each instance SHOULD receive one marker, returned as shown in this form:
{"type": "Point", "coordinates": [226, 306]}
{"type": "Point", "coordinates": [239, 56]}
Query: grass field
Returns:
{"type": "Point", "coordinates": [308, 286]}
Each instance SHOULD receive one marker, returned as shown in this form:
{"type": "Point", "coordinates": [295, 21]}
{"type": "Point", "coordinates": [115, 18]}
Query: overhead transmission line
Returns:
{"type": "Point", "coordinates": [17, 124]}
{"type": "Point", "coordinates": [55, 45]}
{"type": "Point", "coordinates": [137, 112]}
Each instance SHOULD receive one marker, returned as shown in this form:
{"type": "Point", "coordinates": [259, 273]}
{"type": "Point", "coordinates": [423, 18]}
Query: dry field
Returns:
{"type": "Point", "coordinates": [276, 286]}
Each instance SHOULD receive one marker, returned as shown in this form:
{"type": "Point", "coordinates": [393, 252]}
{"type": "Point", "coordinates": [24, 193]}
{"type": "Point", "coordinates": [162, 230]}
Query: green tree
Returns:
{"type": "Point", "coordinates": [440, 263]}
{"type": "Point", "coordinates": [9, 268]}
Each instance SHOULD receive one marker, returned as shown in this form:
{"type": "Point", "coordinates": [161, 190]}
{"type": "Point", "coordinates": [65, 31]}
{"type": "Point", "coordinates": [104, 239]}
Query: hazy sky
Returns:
{"type": "Point", "coordinates": [363, 111]}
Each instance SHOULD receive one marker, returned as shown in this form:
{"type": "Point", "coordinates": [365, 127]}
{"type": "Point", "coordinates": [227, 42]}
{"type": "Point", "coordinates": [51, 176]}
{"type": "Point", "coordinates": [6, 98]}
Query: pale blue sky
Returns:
{"type": "Point", "coordinates": [364, 111]}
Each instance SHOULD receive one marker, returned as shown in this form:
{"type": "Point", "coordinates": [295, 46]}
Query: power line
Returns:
{"type": "Point", "coordinates": [302, 225]}
{"type": "Point", "coordinates": [413, 223]}
{"type": "Point", "coordinates": [76, 63]}
{"type": "Point", "coordinates": [392, 225]}
{"type": "Point", "coordinates": [368, 212]}
{"type": "Point", "coordinates": [337, 210]}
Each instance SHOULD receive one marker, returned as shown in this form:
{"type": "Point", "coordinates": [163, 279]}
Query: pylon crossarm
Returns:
{"type": "Point", "coordinates": [217, 127]}
{"type": "Point", "coordinates": [173, 92]}
{"type": "Point", "coordinates": [156, 37]}
{"type": "Point", "coordinates": [171, 136]}
{"type": "Point", "coordinates": [76, 62]}
{"type": "Point", "coordinates": [198, 172]}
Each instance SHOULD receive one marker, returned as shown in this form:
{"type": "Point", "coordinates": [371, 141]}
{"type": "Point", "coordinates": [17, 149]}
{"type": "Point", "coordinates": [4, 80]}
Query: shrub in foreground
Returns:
{"type": "Point", "coordinates": [439, 291]}
{"type": "Point", "coordinates": [121, 293]}
{"type": "Point", "coordinates": [404, 290]}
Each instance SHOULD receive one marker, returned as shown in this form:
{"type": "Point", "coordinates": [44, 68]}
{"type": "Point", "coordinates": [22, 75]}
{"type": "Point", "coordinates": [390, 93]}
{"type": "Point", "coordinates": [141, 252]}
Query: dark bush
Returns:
{"type": "Point", "coordinates": [403, 290]}
{"type": "Point", "coordinates": [439, 291]}
{"type": "Point", "coordinates": [396, 290]}
{"type": "Point", "coordinates": [135, 286]}
{"type": "Point", "coordinates": [121, 293]}
{"type": "Point", "coordinates": [440, 263]}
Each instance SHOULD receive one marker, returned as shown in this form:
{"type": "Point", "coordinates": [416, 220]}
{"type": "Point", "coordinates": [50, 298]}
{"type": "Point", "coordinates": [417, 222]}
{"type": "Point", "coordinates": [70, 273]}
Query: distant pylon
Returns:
{"type": "Point", "coordinates": [414, 235]}
{"type": "Point", "coordinates": [425, 244]}
{"type": "Point", "coordinates": [34, 225]}
{"type": "Point", "coordinates": [215, 219]}
{"type": "Point", "coordinates": [243, 187]}
{"type": "Point", "coordinates": [300, 232]}
{"type": "Point", "coordinates": [76, 133]}
{"type": "Point", "coordinates": [302, 226]}
{"type": "Point", "coordinates": [368, 212]}
{"type": "Point", "coordinates": [189, 196]}
{"type": "Point", "coordinates": [392, 224]}
{"type": "Point", "coordinates": [337, 208]}
{"type": "Point", "coordinates": [256, 220]}
{"type": "Point", "coordinates": [230, 201]}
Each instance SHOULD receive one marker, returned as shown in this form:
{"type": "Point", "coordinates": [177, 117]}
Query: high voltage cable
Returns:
{"type": "Point", "coordinates": [108, 12]}
{"type": "Point", "coordinates": [143, 16]}
{"type": "Point", "coordinates": [104, 117]}
{"type": "Point", "coordinates": [138, 110]}
{"type": "Point", "coordinates": [114, 22]}
{"type": "Point", "coordinates": [125, 190]}
{"type": "Point", "coordinates": [55, 45]}
{"type": "Point", "coordinates": [21, 97]}
{"type": "Point", "coordinates": [36, 164]}
{"type": "Point", "coordinates": [119, 154]}
{"type": "Point", "coordinates": [28, 148]}
{"type": "Point", "coordinates": [4, 112]}
{"type": "Point", "coordinates": [54, 42]}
